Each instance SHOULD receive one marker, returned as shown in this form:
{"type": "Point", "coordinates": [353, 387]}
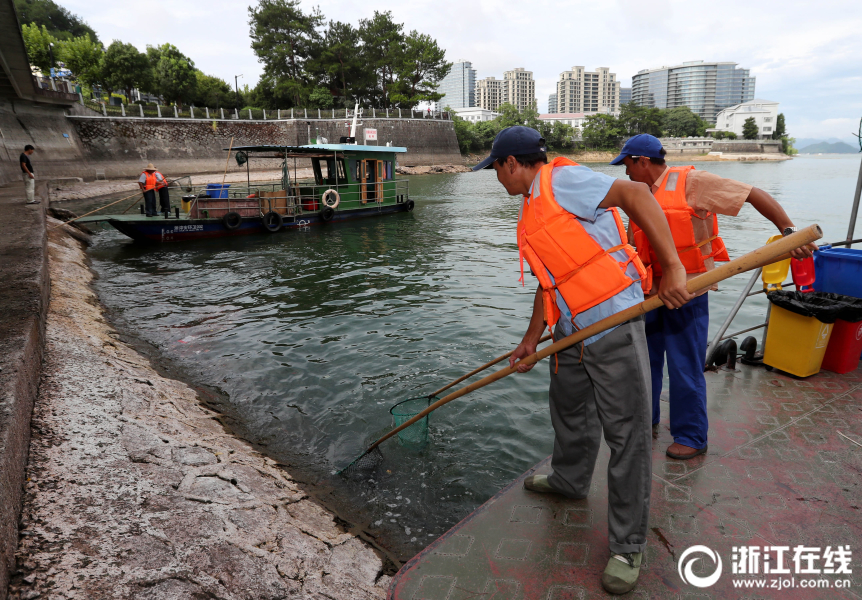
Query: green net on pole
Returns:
{"type": "Point", "coordinates": [416, 434]}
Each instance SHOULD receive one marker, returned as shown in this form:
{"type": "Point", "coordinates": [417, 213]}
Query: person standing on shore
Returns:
{"type": "Point", "coordinates": [572, 236]}
{"type": "Point", "coordinates": [28, 175]}
{"type": "Point", "coordinates": [150, 182]}
{"type": "Point", "coordinates": [690, 200]}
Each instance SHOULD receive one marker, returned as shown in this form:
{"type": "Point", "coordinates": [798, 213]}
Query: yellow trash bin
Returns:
{"type": "Point", "coordinates": [795, 344]}
{"type": "Point", "coordinates": [187, 203]}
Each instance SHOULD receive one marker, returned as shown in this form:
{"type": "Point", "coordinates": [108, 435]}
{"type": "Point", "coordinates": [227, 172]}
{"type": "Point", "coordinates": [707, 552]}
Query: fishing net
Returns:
{"type": "Point", "coordinates": [416, 434]}
{"type": "Point", "coordinates": [365, 465]}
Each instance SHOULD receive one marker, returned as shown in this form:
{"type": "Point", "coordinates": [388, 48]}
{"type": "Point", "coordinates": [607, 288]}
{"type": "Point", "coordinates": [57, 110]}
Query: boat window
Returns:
{"type": "Point", "coordinates": [318, 175]}
{"type": "Point", "coordinates": [327, 169]}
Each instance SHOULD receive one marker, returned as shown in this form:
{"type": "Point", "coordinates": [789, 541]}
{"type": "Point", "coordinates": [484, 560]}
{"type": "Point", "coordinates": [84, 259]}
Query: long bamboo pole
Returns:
{"type": "Point", "coordinates": [758, 258]}
{"type": "Point", "coordinates": [482, 368]}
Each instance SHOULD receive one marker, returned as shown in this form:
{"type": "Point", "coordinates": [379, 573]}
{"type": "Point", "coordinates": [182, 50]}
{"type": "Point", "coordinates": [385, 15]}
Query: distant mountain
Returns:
{"type": "Point", "coordinates": [827, 148]}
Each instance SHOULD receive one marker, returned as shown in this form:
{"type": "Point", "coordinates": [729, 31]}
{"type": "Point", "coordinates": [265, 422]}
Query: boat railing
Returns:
{"type": "Point", "coordinates": [302, 197]}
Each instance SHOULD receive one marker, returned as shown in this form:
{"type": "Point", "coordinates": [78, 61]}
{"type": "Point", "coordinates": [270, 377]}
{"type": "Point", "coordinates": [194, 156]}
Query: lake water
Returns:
{"type": "Point", "coordinates": [313, 335]}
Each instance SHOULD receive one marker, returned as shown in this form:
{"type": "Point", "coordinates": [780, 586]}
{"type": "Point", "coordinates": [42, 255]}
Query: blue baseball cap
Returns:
{"type": "Point", "coordinates": [514, 141]}
{"type": "Point", "coordinates": [643, 144]}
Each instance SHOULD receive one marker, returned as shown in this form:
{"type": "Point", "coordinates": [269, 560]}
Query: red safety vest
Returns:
{"type": "Point", "coordinates": [680, 218]}
{"type": "Point", "coordinates": [553, 240]}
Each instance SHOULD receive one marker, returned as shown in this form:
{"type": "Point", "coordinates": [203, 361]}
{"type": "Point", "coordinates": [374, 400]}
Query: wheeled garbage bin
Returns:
{"type": "Point", "coordinates": [800, 327]}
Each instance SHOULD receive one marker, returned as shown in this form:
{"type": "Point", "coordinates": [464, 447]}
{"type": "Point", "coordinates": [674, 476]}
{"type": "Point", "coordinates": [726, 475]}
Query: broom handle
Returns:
{"type": "Point", "coordinates": [482, 368]}
{"type": "Point", "coordinates": [757, 258]}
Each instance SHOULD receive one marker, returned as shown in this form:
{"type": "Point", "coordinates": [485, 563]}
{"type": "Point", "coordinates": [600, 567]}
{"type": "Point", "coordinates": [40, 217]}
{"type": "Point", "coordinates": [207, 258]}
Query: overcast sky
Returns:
{"type": "Point", "coordinates": [805, 55]}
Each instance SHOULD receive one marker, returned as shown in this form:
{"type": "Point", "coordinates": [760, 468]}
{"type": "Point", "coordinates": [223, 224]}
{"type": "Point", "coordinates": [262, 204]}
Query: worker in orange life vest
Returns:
{"type": "Point", "coordinates": [571, 234]}
{"type": "Point", "coordinates": [151, 183]}
{"type": "Point", "coordinates": [691, 200]}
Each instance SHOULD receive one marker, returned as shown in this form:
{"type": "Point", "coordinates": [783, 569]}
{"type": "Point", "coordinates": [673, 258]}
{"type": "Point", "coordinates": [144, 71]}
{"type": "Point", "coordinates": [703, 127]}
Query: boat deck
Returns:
{"type": "Point", "coordinates": [784, 468]}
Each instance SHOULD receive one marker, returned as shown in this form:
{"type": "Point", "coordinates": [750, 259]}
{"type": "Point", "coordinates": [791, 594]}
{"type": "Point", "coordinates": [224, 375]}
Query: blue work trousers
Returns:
{"type": "Point", "coordinates": [682, 335]}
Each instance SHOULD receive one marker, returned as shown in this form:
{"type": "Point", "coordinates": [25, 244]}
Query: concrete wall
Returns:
{"type": "Point", "coordinates": [23, 309]}
{"type": "Point", "coordinates": [42, 125]}
{"type": "Point", "coordinates": [122, 146]}
{"type": "Point", "coordinates": [747, 146]}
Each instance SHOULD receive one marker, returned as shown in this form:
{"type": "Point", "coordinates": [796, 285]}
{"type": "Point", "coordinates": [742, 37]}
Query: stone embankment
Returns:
{"type": "Point", "coordinates": [432, 169]}
{"type": "Point", "coordinates": [134, 489]}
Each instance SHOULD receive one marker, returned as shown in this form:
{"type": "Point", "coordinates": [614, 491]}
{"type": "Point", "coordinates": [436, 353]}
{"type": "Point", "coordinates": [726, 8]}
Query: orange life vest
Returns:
{"type": "Point", "coordinates": [553, 240]}
{"type": "Point", "coordinates": [152, 182]}
{"type": "Point", "coordinates": [680, 217]}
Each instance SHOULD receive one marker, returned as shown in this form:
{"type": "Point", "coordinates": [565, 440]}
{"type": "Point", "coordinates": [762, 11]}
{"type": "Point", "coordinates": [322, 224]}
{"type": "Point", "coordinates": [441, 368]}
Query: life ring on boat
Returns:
{"type": "Point", "coordinates": [326, 214]}
{"type": "Point", "coordinates": [232, 220]}
{"type": "Point", "coordinates": [272, 221]}
{"type": "Point", "coordinates": [327, 195]}
{"type": "Point", "coordinates": [410, 205]}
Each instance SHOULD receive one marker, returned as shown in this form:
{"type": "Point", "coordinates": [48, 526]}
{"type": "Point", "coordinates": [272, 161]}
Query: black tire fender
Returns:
{"type": "Point", "coordinates": [272, 221]}
{"type": "Point", "coordinates": [326, 214]}
{"type": "Point", "coordinates": [232, 220]}
{"type": "Point", "coordinates": [410, 205]}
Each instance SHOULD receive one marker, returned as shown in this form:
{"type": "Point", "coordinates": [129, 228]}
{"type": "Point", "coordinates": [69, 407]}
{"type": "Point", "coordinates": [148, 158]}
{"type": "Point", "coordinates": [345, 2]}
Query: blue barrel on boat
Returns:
{"type": "Point", "coordinates": [217, 190]}
{"type": "Point", "coordinates": [838, 271]}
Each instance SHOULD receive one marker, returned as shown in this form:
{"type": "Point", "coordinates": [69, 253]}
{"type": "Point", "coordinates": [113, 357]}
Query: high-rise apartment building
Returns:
{"type": "Point", "coordinates": [489, 93]}
{"type": "Point", "coordinates": [459, 86]}
{"type": "Point", "coordinates": [519, 89]}
{"type": "Point", "coordinates": [582, 91]}
{"type": "Point", "coordinates": [705, 87]}
{"type": "Point", "coordinates": [552, 103]}
{"type": "Point", "coordinates": [625, 95]}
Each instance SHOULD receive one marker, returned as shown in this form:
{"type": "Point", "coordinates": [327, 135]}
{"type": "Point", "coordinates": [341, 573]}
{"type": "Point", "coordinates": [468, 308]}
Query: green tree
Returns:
{"type": "Point", "coordinates": [36, 41]}
{"type": "Point", "coordinates": [750, 129]}
{"type": "Point", "coordinates": [382, 50]}
{"type": "Point", "coordinates": [285, 39]}
{"type": "Point", "coordinates": [84, 58]}
{"type": "Point", "coordinates": [422, 66]}
{"type": "Point", "coordinates": [339, 63]}
{"type": "Point", "coordinates": [602, 132]}
{"type": "Point", "coordinates": [174, 74]}
{"type": "Point", "coordinates": [682, 122]}
{"type": "Point", "coordinates": [59, 22]}
{"type": "Point", "coordinates": [124, 68]}
{"type": "Point", "coordinates": [320, 97]}
{"type": "Point", "coordinates": [780, 128]}
{"type": "Point", "coordinates": [212, 91]}
{"type": "Point", "coordinates": [635, 119]}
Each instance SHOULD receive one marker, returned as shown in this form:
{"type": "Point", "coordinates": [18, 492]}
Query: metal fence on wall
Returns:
{"type": "Point", "coordinates": [252, 114]}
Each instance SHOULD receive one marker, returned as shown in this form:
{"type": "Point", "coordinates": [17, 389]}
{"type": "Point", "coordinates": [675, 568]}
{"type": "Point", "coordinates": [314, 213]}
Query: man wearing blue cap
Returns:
{"type": "Point", "coordinates": [570, 233]}
{"type": "Point", "coordinates": [691, 200]}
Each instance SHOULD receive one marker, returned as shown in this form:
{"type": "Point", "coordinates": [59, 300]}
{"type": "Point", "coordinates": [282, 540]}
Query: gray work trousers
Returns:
{"type": "Point", "coordinates": [608, 391]}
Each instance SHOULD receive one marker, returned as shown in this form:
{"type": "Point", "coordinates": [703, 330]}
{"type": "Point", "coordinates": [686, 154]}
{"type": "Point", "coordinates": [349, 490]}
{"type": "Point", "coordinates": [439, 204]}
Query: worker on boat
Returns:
{"type": "Point", "coordinates": [151, 183]}
{"type": "Point", "coordinates": [573, 238]}
{"type": "Point", "coordinates": [691, 200]}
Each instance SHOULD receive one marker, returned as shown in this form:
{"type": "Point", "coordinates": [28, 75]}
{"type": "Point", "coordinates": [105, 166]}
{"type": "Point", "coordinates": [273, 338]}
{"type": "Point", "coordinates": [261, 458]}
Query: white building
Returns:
{"type": "Point", "coordinates": [459, 86]}
{"type": "Point", "coordinates": [765, 113]}
{"type": "Point", "coordinates": [519, 88]}
{"type": "Point", "coordinates": [576, 120]}
{"type": "Point", "coordinates": [475, 114]}
{"type": "Point", "coordinates": [489, 93]}
{"type": "Point", "coordinates": [579, 90]}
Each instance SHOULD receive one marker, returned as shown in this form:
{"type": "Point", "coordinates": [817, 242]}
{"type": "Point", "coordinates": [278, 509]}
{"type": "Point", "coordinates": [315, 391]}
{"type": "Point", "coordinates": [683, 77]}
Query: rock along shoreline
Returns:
{"type": "Point", "coordinates": [135, 490]}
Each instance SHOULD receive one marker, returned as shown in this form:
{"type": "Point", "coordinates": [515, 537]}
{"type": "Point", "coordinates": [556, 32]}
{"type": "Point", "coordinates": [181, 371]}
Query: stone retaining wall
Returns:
{"type": "Point", "coordinates": [23, 310]}
{"type": "Point", "coordinates": [121, 146]}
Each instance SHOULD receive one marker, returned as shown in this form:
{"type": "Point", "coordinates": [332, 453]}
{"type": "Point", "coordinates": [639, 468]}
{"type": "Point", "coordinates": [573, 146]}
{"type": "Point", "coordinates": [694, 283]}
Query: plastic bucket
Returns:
{"type": "Point", "coordinates": [839, 271]}
{"type": "Point", "coordinates": [416, 434]}
{"type": "Point", "coordinates": [217, 190]}
{"type": "Point", "coordinates": [187, 203]}
{"type": "Point", "coordinates": [795, 344]}
{"type": "Point", "coordinates": [773, 275]}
